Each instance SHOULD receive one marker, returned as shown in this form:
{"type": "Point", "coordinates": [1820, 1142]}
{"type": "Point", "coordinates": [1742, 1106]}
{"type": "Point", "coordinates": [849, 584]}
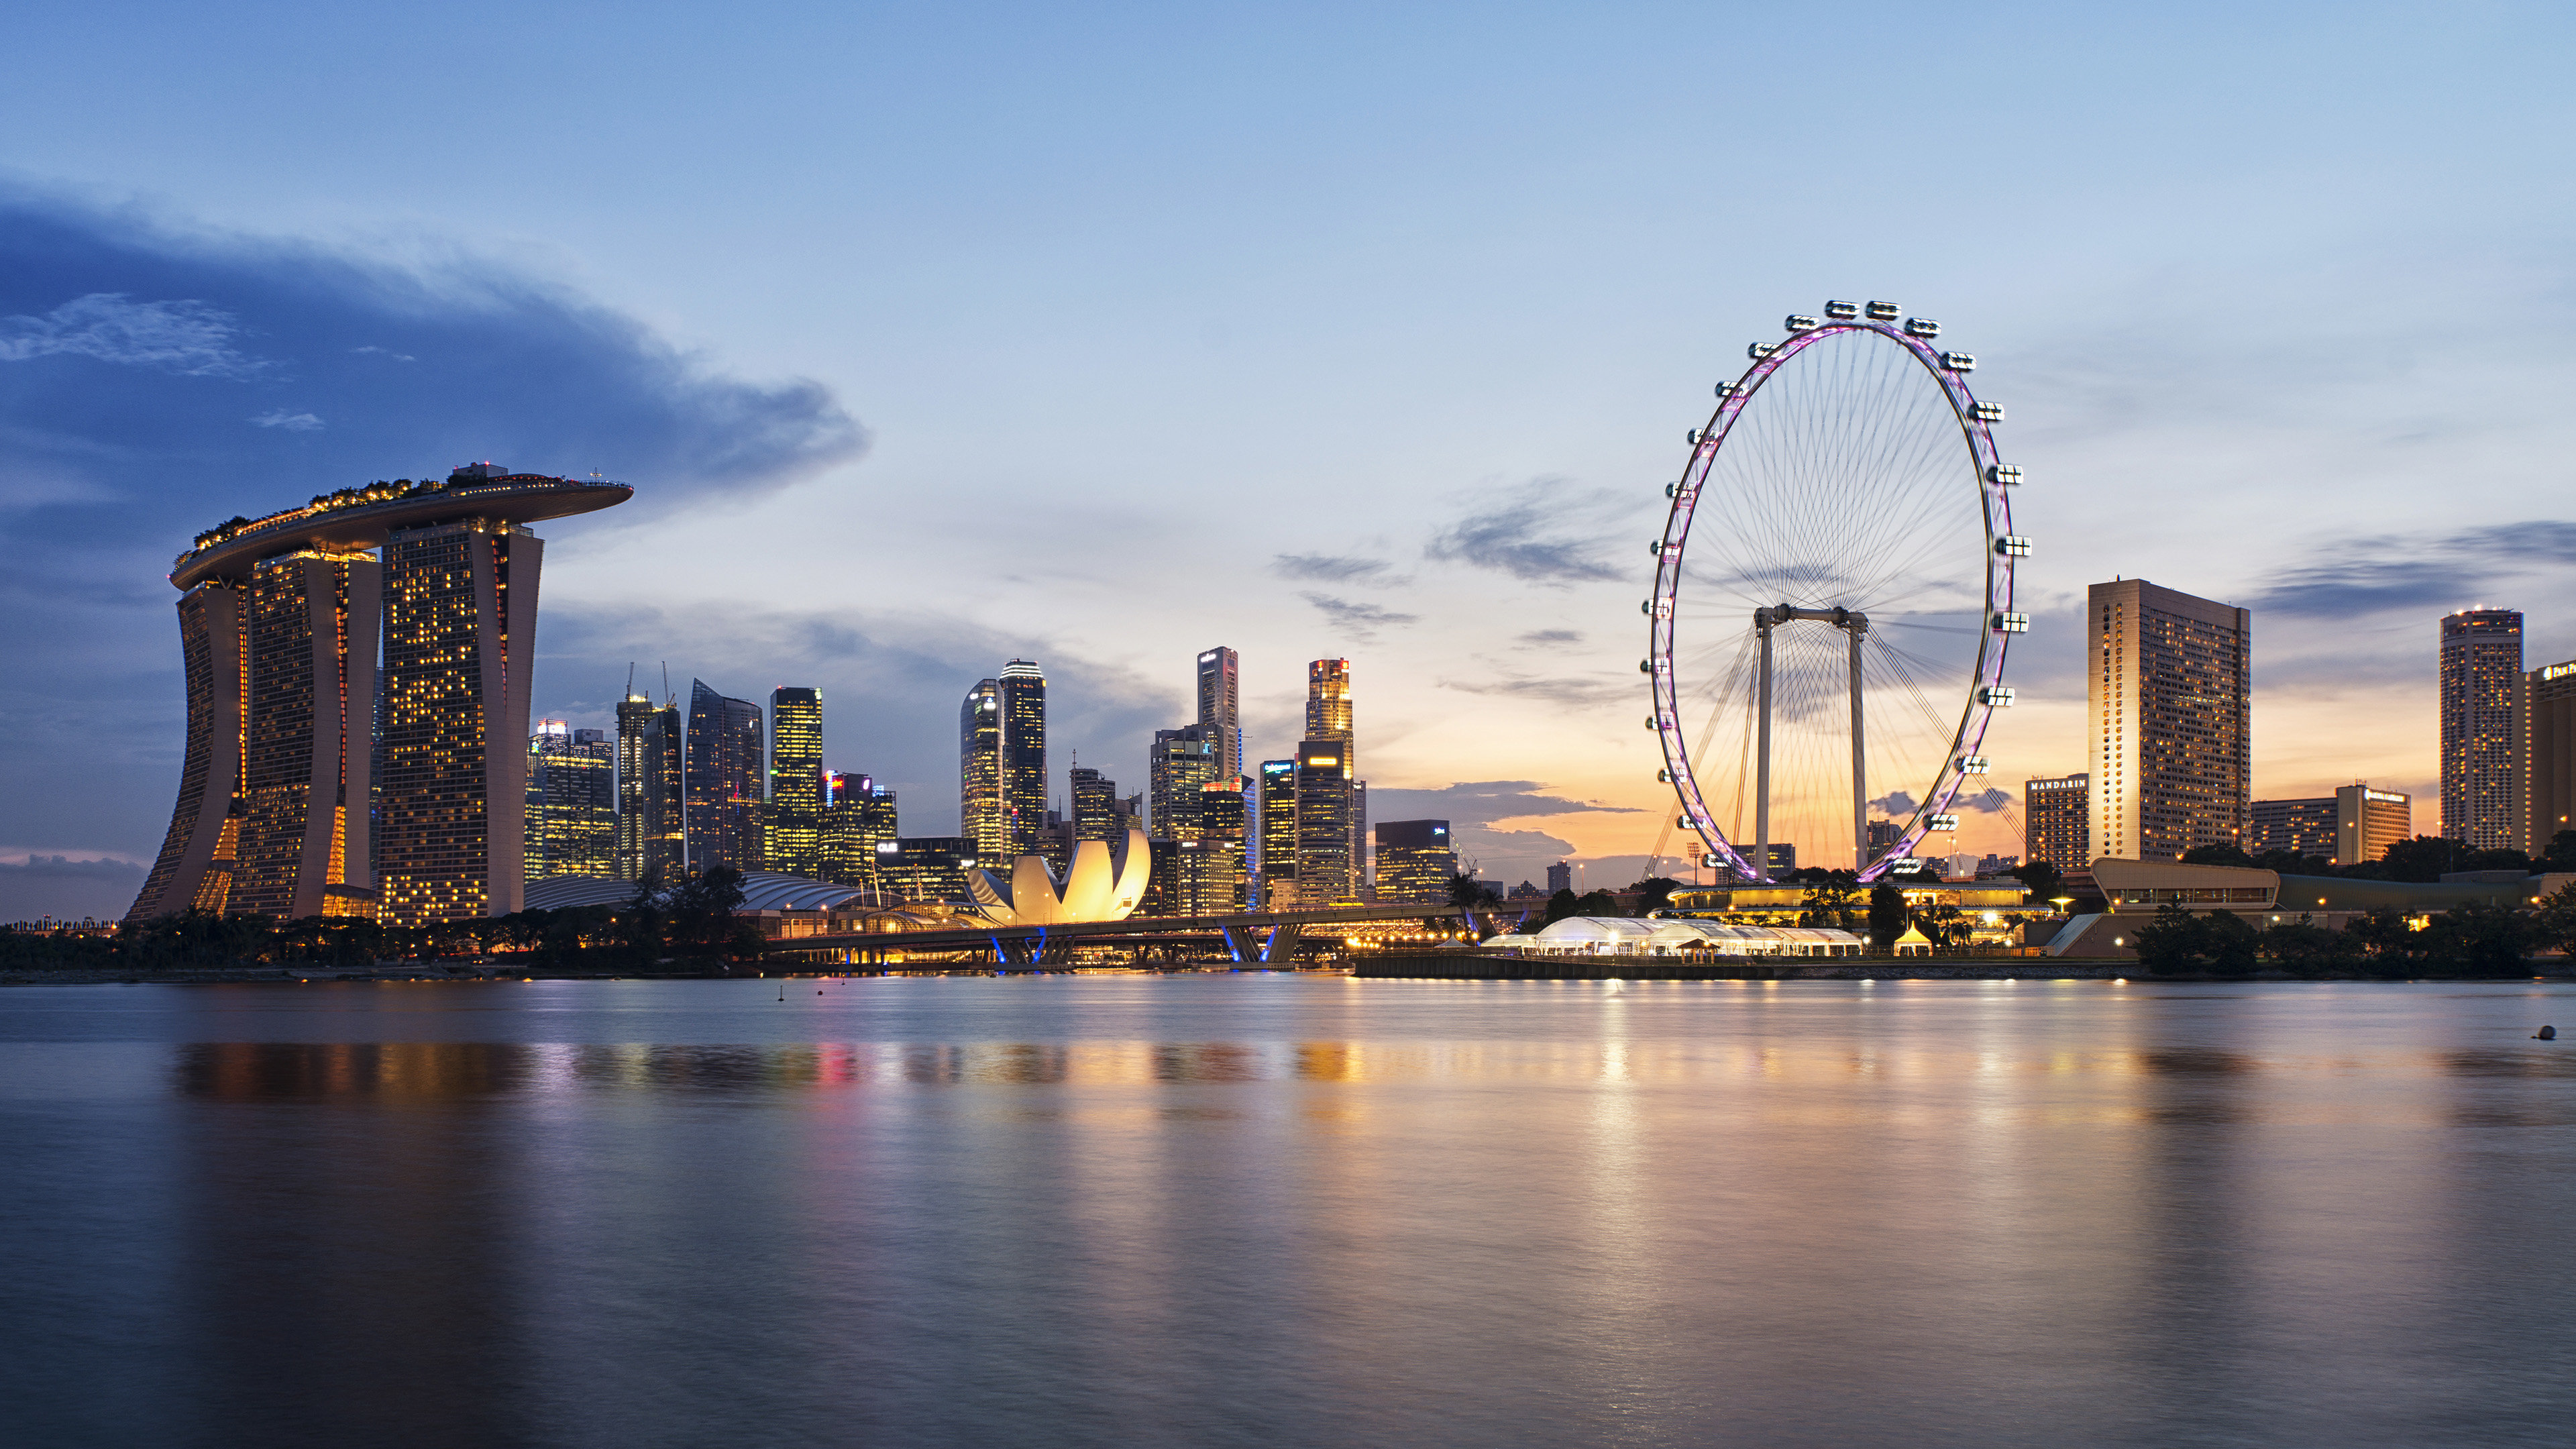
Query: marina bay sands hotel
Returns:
{"type": "Point", "coordinates": [280, 620]}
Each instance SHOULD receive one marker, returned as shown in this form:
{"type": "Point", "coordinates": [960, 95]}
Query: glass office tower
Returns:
{"type": "Point", "coordinates": [983, 816]}
{"type": "Point", "coordinates": [723, 771]}
{"type": "Point", "coordinates": [793, 841]}
{"type": "Point", "coordinates": [1024, 767]}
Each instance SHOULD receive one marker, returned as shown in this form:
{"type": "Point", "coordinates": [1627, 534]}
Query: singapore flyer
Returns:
{"type": "Point", "coordinates": [1833, 599]}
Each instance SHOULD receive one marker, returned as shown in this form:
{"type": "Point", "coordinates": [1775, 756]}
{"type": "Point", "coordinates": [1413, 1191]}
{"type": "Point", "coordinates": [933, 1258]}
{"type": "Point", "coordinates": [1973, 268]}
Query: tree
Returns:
{"type": "Point", "coordinates": [2304, 948]}
{"type": "Point", "coordinates": [1829, 902]}
{"type": "Point", "coordinates": [2561, 854]}
{"type": "Point", "coordinates": [2388, 939]}
{"type": "Point", "coordinates": [2178, 943]}
{"type": "Point", "coordinates": [1467, 893]}
{"type": "Point", "coordinates": [2481, 938]}
{"type": "Point", "coordinates": [2045, 881]}
{"type": "Point", "coordinates": [2219, 854]}
{"type": "Point", "coordinates": [702, 912]}
{"type": "Point", "coordinates": [2231, 942]}
{"type": "Point", "coordinates": [1654, 893]}
{"type": "Point", "coordinates": [2554, 923]}
{"type": "Point", "coordinates": [1559, 906]}
{"type": "Point", "coordinates": [1887, 915]}
{"type": "Point", "coordinates": [2424, 858]}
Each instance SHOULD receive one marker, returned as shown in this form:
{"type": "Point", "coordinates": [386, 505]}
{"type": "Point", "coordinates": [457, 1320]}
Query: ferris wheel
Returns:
{"type": "Point", "coordinates": [1834, 598]}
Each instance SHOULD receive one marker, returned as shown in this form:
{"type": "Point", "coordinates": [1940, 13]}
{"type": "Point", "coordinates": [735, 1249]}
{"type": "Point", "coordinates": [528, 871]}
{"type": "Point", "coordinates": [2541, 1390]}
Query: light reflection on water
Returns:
{"type": "Point", "coordinates": [1280, 1210]}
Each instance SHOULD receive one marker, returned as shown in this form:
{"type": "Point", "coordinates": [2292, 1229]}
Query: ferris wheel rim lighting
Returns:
{"type": "Point", "coordinates": [2004, 548]}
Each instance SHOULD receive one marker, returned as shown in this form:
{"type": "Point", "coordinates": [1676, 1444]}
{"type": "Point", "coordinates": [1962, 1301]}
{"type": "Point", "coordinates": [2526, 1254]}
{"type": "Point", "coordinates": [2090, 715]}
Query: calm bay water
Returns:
{"type": "Point", "coordinates": [1287, 1210]}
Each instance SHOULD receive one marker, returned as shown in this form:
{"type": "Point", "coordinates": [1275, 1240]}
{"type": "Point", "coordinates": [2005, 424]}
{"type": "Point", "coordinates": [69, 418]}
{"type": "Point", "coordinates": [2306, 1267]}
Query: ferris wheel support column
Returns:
{"type": "Point", "coordinates": [1860, 761]}
{"type": "Point", "coordinates": [1762, 752]}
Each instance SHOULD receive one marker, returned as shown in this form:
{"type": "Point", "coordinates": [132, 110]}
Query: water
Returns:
{"type": "Point", "coordinates": [1284, 1211]}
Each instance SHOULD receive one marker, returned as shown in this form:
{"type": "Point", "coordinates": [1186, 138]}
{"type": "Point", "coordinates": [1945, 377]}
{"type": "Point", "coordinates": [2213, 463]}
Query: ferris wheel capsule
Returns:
{"type": "Point", "coordinates": [1884, 311]}
{"type": "Point", "coordinates": [1922, 327]}
{"type": "Point", "coordinates": [1959, 361]}
{"type": "Point", "coordinates": [1841, 311]}
{"type": "Point", "coordinates": [1797, 323]}
{"type": "Point", "coordinates": [1761, 350]}
{"type": "Point", "coordinates": [2004, 475]}
{"type": "Point", "coordinates": [1989, 412]}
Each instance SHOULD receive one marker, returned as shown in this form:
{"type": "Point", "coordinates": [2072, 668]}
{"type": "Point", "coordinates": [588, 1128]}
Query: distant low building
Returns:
{"type": "Point", "coordinates": [2355, 824]}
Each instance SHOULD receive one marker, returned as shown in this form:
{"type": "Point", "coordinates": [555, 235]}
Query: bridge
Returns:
{"type": "Point", "coordinates": [1263, 937]}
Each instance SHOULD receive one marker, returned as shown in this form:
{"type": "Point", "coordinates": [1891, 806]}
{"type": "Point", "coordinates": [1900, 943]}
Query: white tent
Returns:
{"type": "Point", "coordinates": [1593, 936]}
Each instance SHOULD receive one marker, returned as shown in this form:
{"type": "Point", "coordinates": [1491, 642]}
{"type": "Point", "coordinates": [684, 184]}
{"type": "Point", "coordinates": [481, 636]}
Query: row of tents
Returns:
{"type": "Point", "coordinates": [1668, 936]}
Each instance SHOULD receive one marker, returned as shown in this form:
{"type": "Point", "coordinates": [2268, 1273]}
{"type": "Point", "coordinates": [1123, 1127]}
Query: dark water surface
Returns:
{"type": "Point", "coordinates": [1287, 1210]}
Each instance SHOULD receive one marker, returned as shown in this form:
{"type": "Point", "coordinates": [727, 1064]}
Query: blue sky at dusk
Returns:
{"type": "Point", "coordinates": [932, 335]}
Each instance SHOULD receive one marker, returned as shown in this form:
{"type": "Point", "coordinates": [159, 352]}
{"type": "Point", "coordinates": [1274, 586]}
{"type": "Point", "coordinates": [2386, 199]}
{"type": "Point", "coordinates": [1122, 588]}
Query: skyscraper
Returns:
{"type": "Point", "coordinates": [1024, 766]}
{"type": "Point", "coordinates": [279, 622]}
{"type": "Point", "coordinates": [1275, 796]}
{"type": "Point", "coordinates": [311, 636]}
{"type": "Point", "coordinates": [1221, 707]}
{"type": "Point", "coordinates": [651, 804]}
{"type": "Point", "coordinates": [2057, 821]}
{"type": "Point", "coordinates": [1328, 699]}
{"type": "Point", "coordinates": [857, 819]}
{"type": "Point", "coordinates": [1415, 862]}
{"type": "Point", "coordinates": [983, 814]}
{"type": "Point", "coordinates": [572, 802]}
{"type": "Point", "coordinates": [792, 841]}
{"type": "Point", "coordinates": [1183, 760]}
{"type": "Point", "coordinates": [2169, 734]}
{"type": "Point", "coordinates": [2549, 757]}
{"type": "Point", "coordinates": [1324, 875]}
{"type": "Point", "coordinates": [1211, 867]}
{"type": "Point", "coordinates": [2483, 804]}
{"type": "Point", "coordinates": [723, 773]}
{"type": "Point", "coordinates": [1363, 873]}
{"type": "Point", "coordinates": [1096, 815]}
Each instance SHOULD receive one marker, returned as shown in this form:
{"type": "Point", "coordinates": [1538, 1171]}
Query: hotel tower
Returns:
{"type": "Point", "coordinates": [280, 623]}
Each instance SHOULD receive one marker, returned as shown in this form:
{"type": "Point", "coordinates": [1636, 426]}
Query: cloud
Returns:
{"type": "Point", "coordinates": [1550, 639]}
{"type": "Point", "coordinates": [1544, 533]}
{"type": "Point", "coordinates": [1358, 621]}
{"type": "Point", "coordinates": [1901, 804]}
{"type": "Point", "coordinates": [2373, 575]}
{"type": "Point", "coordinates": [154, 381]}
{"type": "Point", "coordinates": [67, 889]}
{"type": "Point", "coordinates": [189, 338]}
{"type": "Point", "coordinates": [1326, 568]}
{"type": "Point", "coordinates": [1566, 689]}
{"type": "Point", "coordinates": [1481, 802]}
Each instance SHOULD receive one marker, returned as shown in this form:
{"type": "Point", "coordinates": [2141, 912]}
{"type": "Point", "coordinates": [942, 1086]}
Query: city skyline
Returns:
{"type": "Point", "coordinates": [206, 301]}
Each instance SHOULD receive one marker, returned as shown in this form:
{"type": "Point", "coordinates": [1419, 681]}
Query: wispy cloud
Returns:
{"type": "Point", "coordinates": [1543, 533]}
{"type": "Point", "coordinates": [1550, 639]}
{"type": "Point", "coordinates": [2386, 573]}
{"type": "Point", "coordinates": [1356, 620]}
{"type": "Point", "coordinates": [1481, 802]}
{"type": "Point", "coordinates": [1331, 569]}
{"type": "Point", "coordinates": [292, 422]}
{"type": "Point", "coordinates": [1900, 804]}
{"type": "Point", "coordinates": [191, 338]}
{"type": "Point", "coordinates": [1574, 690]}
{"type": "Point", "coordinates": [66, 887]}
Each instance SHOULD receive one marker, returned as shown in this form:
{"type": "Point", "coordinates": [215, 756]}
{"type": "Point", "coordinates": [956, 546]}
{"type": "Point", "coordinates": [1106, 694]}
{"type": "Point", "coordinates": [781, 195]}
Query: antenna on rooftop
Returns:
{"type": "Point", "coordinates": [666, 685]}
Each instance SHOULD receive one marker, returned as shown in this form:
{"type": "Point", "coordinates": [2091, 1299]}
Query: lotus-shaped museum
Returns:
{"type": "Point", "coordinates": [1101, 885]}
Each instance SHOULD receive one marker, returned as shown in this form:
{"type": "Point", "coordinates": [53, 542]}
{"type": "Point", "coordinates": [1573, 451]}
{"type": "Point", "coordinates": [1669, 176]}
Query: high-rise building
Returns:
{"type": "Point", "coordinates": [1328, 699]}
{"type": "Point", "coordinates": [2549, 755]}
{"type": "Point", "coordinates": [293, 724]}
{"type": "Point", "coordinates": [927, 867]}
{"type": "Point", "coordinates": [1221, 707]}
{"type": "Point", "coordinates": [1324, 874]}
{"type": "Point", "coordinates": [1024, 766]}
{"type": "Point", "coordinates": [723, 772]}
{"type": "Point", "coordinates": [2301, 827]}
{"type": "Point", "coordinates": [311, 641]}
{"type": "Point", "coordinates": [2057, 823]}
{"type": "Point", "coordinates": [1363, 873]}
{"type": "Point", "coordinates": [1096, 812]}
{"type": "Point", "coordinates": [857, 819]}
{"type": "Point", "coordinates": [983, 815]}
{"type": "Point", "coordinates": [1183, 760]}
{"type": "Point", "coordinates": [1207, 869]}
{"type": "Point", "coordinates": [651, 803]}
{"type": "Point", "coordinates": [2483, 805]}
{"type": "Point", "coordinates": [572, 802]}
{"type": "Point", "coordinates": [2169, 721]}
{"type": "Point", "coordinates": [1560, 876]}
{"type": "Point", "coordinates": [792, 840]}
{"type": "Point", "coordinates": [1415, 862]}
{"type": "Point", "coordinates": [460, 652]}
{"type": "Point", "coordinates": [2368, 821]}
{"type": "Point", "coordinates": [1275, 829]}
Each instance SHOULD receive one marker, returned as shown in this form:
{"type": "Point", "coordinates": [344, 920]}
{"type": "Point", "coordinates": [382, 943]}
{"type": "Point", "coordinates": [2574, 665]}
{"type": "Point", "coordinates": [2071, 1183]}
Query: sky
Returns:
{"type": "Point", "coordinates": [934, 335]}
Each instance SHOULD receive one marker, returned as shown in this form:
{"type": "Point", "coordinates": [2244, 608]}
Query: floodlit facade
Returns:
{"type": "Point", "coordinates": [1024, 767]}
{"type": "Point", "coordinates": [1274, 862]}
{"type": "Point", "coordinates": [983, 816]}
{"type": "Point", "coordinates": [792, 835]}
{"type": "Point", "coordinates": [1103, 883]}
{"type": "Point", "coordinates": [1221, 706]}
{"type": "Point", "coordinates": [722, 770]}
{"type": "Point", "coordinates": [2549, 757]}
{"type": "Point", "coordinates": [1415, 862]}
{"type": "Point", "coordinates": [2482, 731]}
{"type": "Point", "coordinates": [1324, 864]}
{"type": "Point", "coordinates": [2169, 694]}
{"type": "Point", "coordinates": [651, 803]}
{"type": "Point", "coordinates": [2368, 821]}
{"type": "Point", "coordinates": [1182, 763]}
{"type": "Point", "coordinates": [297, 715]}
{"type": "Point", "coordinates": [858, 819]}
{"type": "Point", "coordinates": [2057, 821]}
{"type": "Point", "coordinates": [572, 802]}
